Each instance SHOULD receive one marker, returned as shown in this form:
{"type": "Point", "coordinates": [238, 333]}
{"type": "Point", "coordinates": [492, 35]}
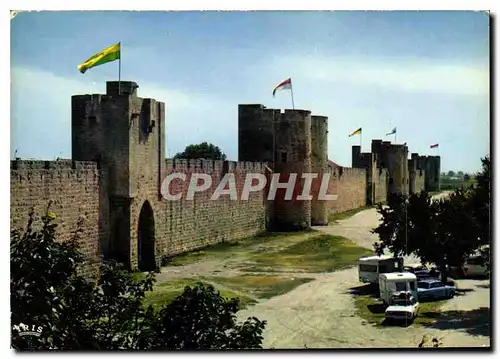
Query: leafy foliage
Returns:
{"type": "Point", "coordinates": [393, 229]}
{"type": "Point", "coordinates": [455, 235]}
{"type": "Point", "coordinates": [202, 150]}
{"type": "Point", "coordinates": [48, 291]}
{"type": "Point", "coordinates": [443, 232]}
{"type": "Point", "coordinates": [482, 200]}
{"type": "Point", "coordinates": [482, 207]}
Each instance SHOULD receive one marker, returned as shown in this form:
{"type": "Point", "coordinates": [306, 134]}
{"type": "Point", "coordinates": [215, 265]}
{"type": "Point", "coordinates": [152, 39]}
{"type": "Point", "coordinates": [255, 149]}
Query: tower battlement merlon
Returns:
{"type": "Point", "coordinates": [319, 142]}
{"type": "Point", "coordinates": [120, 88]}
{"type": "Point", "coordinates": [297, 111]}
{"type": "Point", "coordinates": [256, 132]}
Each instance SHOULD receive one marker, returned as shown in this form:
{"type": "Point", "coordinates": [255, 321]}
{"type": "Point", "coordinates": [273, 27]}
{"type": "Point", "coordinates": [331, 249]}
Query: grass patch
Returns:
{"type": "Point", "coordinates": [139, 275]}
{"type": "Point", "coordinates": [321, 253]}
{"type": "Point", "coordinates": [373, 311]}
{"type": "Point", "coordinates": [335, 217]}
{"type": "Point", "coordinates": [451, 184]}
{"type": "Point", "coordinates": [260, 286]}
{"type": "Point", "coordinates": [166, 292]}
{"type": "Point", "coordinates": [227, 250]}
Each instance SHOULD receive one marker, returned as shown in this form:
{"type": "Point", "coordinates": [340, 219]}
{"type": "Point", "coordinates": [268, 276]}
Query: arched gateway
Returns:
{"type": "Point", "coordinates": [146, 239]}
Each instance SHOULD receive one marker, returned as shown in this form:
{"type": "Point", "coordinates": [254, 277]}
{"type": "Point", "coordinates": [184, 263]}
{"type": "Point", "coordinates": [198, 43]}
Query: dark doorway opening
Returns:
{"type": "Point", "coordinates": [391, 185]}
{"type": "Point", "coordinates": [146, 239]}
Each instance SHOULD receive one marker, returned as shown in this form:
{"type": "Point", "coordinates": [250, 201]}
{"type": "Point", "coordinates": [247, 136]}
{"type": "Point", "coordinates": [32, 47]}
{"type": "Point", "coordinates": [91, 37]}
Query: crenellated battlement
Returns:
{"type": "Point", "coordinates": [211, 165]}
{"type": "Point", "coordinates": [288, 111]}
{"type": "Point", "coordinates": [59, 164]}
{"type": "Point", "coordinates": [347, 173]}
{"type": "Point", "coordinates": [61, 170]}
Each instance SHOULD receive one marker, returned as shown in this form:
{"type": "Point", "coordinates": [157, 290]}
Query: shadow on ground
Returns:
{"type": "Point", "coordinates": [396, 323]}
{"type": "Point", "coordinates": [459, 292]}
{"type": "Point", "coordinates": [367, 289]}
{"type": "Point", "coordinates": [474, 322]}
{"type": "Point", "coordinates": [485, 286]}
{"type": "Point", "coordinates": [377, 308]}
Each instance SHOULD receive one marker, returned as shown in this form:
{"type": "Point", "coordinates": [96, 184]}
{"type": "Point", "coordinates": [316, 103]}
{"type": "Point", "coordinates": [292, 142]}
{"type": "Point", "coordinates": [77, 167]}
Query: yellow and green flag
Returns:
{"type": "Point", "coordinates": [357, 132]}
{"type": "Point", "coordinates": [109, 54]}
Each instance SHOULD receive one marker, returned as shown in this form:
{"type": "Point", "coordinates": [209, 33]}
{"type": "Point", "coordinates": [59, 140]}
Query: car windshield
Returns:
{"type": "Point", "coordinates": [400, 302]}
{"type": "Point", "coordinates": [423, 285]}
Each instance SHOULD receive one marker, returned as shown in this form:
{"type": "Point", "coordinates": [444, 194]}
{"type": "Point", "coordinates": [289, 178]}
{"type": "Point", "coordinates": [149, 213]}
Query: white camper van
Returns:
{"type": "Point", "coordinates": [371, 267]}
{"type": "Point", "coordinates": [391, 284]}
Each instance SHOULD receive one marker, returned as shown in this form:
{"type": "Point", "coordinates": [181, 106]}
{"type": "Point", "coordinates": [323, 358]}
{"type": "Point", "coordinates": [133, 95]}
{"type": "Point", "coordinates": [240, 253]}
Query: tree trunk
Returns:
{"type": "Point", "coordinates": [444, 274]}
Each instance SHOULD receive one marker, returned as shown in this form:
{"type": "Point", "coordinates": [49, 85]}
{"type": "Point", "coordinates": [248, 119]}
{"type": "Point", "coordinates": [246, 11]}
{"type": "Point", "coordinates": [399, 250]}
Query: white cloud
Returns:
{"type": "Point", "coordinates": [403, 75]}
{"type": "Point", "coordinates": [53, 88]}
{"type": "Point", "coordinates": [41, 112]}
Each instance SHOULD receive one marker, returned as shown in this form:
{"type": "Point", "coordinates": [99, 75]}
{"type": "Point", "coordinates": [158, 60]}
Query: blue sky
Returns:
{"type": "Point", "coordinates": [427, 73]}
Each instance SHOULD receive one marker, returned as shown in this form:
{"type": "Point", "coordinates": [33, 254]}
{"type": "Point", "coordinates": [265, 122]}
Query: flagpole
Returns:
{"type": "Point", "coordinates": [395, 137]}
{"type": "Point", "coordinates": [120, 69]}
{"type": "Point", "coordinates": [291, 91]}
{"type": "Point", "coordinates": [274, 144]}
{"type": "Point", "coordinates": [361, 140]}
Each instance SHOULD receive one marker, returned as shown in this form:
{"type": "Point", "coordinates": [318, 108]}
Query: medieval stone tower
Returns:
{"type": "Point", "coordinates": [417, 174]}
{"type": "Point", "coordinates": [292, 141]}
{"type": "Point", "coordinates": [432, 167]}
{"type": "Point", "coordinates": [368, 161]}
{"type": "Point", "coordinates": [395, 159]}
{"type": "Point", "coordinates": [123, 133]}
{"type": "Point", "coordinates": [319, 164]}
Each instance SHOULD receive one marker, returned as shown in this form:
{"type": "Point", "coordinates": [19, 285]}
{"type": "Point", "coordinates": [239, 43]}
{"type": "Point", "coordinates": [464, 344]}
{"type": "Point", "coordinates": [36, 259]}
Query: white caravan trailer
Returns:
{"type": "Point", "coordinates": [370, 267]}
{"type": "Point", "coordinates": [394, 283]}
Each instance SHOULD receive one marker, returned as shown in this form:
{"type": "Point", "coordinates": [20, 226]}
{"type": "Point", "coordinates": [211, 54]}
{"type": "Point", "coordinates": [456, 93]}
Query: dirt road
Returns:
{"type": "Point", "coordinates": [321, 314]}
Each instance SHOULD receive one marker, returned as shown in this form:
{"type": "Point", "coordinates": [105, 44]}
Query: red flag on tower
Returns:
{"type": "Point", "coordinates": [435, 146]}
{"type": "Point", "coordinates": [285, 85]}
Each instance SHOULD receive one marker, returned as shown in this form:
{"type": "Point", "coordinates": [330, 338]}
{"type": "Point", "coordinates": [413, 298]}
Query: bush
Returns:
{"type": "Point", "coordinates": [74, 313]}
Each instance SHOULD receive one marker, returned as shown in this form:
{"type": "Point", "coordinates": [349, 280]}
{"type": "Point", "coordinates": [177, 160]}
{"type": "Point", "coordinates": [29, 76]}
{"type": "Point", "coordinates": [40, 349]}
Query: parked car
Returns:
{"type": "Point", "coordinates": [421, 271]}
{"type": "Point", "coordinates": [433, 288]}
{"type": "Point", "coordinates": [474, 266]}
{"type": "Point", "coordinates": [403, 306]}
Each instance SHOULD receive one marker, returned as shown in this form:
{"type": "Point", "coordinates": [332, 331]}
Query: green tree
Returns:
{"type": "Point", "coordinates": [48, 291]}
{"type": "Point", "coordinates": [482, 199]}
{"type": "Point", "coordinates": [454, 232]}
{"type": "Point", "coordinates": [460, 174]}
{"type": "Point", "coordinates": [482, 207]}
{"type": "Point", "coordinates": [451, 174]}
{"type": "Point", "coordinates": [202, 150]}
{"type": "Point", "coordinates": [441, 232]}
{"type": "Point", "coordinates": [392, 230]}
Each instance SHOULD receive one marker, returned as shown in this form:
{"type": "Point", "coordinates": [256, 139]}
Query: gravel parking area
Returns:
{"type": "Point", "coordinates": [322, 314]}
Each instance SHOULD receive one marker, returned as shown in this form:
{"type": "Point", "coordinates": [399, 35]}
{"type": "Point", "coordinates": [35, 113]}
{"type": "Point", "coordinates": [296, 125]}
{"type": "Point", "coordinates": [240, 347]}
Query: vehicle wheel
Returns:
{"type": "Point", "coordinates": [452, 294]}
